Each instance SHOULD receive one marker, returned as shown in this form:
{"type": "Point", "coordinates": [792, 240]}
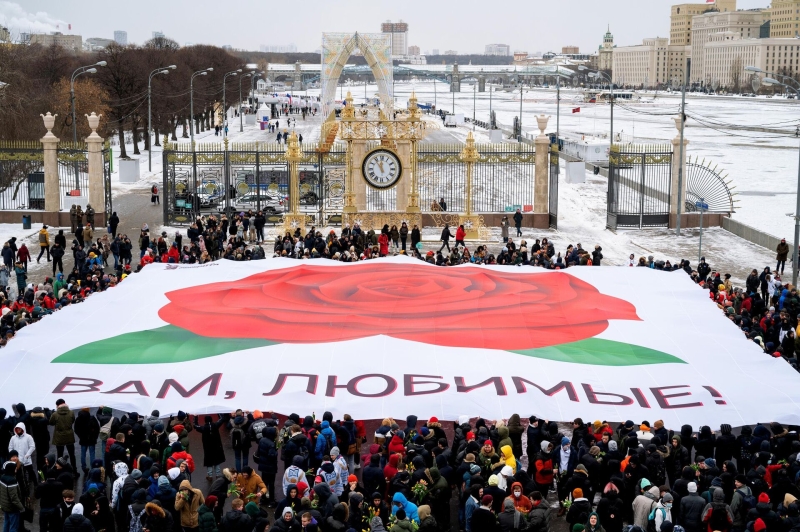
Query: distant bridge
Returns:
{"type": "Point", "coordinates": [300, 74]}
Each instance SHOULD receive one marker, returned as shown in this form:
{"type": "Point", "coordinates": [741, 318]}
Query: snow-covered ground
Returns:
{"type": "Point", "coordinates": [762, 165]}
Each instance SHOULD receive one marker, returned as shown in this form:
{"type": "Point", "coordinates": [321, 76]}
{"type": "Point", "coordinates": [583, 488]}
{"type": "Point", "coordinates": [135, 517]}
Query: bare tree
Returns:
{"type": "Point", "coordinates": [736, 75]}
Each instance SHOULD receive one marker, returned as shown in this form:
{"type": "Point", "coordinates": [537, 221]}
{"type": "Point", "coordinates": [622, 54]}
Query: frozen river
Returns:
{"type": "Point", "coordinates": [763, 165]}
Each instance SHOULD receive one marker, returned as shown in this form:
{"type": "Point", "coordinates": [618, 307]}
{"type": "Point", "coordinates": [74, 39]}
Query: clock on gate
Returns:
{"type": "Point", "coordinates": [381, 168]}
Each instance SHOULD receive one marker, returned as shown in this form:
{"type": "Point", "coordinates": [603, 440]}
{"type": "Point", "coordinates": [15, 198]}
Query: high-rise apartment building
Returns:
{"type": "Point", "coordinates": [121, 37]}
{"type": "Point", "coordinates": [746, 24]}
{"type": "Point", "coordinates": [784, 18]}
{"type": "Point", "coordinates": [497, 49]}
{"type": "Point", "coordinates": [570, 50]}
{"type": "Point", "coordinates": [645, 64]}
{"type": "Point", "coordinates": [413, 50]}
{"type": "Point", "coordinates": [680, 30]}
{"type": "Point", "coordinates": [399, 34]}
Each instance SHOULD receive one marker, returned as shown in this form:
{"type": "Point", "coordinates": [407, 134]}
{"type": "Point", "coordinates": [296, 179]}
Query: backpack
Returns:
{"type": "Point", "coordinates": [136, 521]}
{"type": "Point", "coordinates": [651, 519]}
{"type": "Point", "coordinates": [257, 427]}
{"type": "Point", "coordinates": [748, 503]}
{"type": "Point", "coordinates": [719, 517]}
{"type": "Point", "coordinates": [328, 445]}
{"type": "Point", "coordinates": [237, 437]}
{"type": "Point", "coordinates": [745, 445]}
{"type": "Point", "coordinates": [105, 430]}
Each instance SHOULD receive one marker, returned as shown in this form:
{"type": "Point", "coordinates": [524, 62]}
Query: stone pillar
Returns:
{"type": "Point", "coordinates": [542, 179]}
{"type": "Point", "coordinates": [471, 222]}
{"type": "Point", "coordinates": [482, 84]}
{"type": "Point", "coordinates": [455, 80]}
{"type": "Point", "coordinates": [677, 165]}
{"type": "Point", "coordinates": [52, 197]}
{"type": "Point", "coordinates": [94, 144]}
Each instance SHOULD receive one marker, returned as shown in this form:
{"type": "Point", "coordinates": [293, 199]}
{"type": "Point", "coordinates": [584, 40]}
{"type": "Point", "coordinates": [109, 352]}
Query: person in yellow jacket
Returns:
{"type": "Point", "coordinates": [44, 243]}
{"type": "Point", "coordinates": [187, 502]}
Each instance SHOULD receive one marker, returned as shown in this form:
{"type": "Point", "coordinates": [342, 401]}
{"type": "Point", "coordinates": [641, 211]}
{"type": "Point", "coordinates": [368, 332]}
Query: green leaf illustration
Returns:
{"type": "Point", "coordinates": [165, 345]}
{"type": "Point", "coordinates": [599, 352]}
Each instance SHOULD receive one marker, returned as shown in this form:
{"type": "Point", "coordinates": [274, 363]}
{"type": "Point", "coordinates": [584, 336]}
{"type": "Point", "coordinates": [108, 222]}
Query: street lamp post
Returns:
{"type": "Point", "coordinates": [161, 70]}
{"type": "Point", "coordinates": [253, 89]}
{"type": "Point", "coordinates": [89, 69]}
{"type": "Point", "coordinates": [224, 107]}
{"type": "Point", "coordinates": [519, 122]}
{"type": "Point", "coordinates": [473, 106]}
{"type": "Point", "coordinates": [241, 126]}
{"type": "Point", "coordinates": [558, 105]}
{"type": "Point", "coordinates": [191, 98]}
{"type": "Point", "coordinates": [773, 81]}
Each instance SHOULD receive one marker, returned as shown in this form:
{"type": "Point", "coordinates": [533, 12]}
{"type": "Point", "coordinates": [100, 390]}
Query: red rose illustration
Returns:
{"type": "Point", "coordinates": [457, 307]}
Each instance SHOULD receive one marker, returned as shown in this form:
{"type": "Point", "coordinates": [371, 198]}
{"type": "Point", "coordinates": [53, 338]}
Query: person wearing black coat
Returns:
{"type": "Point", "coordinates": [610, 509]}
{"type": "Point", "coordinates": [213, 453]}
{"type": "Point", "coordinates": [87, 428]}
{"type": "Point", "coordinates": [296, 442]}
{"type": "Point", "coordinates": [535, 438]}
{"type": "Point", "coordinates": [76, 522]}
{"type": "Point", "coordinates": [49, 495]}
{"type": "Point", "coordinates": [483, 519]}
{"type": "Point", "coordinates": [690, 514]}
{"type": "Point", "coordinates": [372, 475]}
{"type": "Point", "coordinates": [266, 456]}
{"type": "Point", "coordinates": [236, 520]}
{"type": "Point", "coordinates": [705, 443]}
{"type": "Point", "coordinates": [725, 445]}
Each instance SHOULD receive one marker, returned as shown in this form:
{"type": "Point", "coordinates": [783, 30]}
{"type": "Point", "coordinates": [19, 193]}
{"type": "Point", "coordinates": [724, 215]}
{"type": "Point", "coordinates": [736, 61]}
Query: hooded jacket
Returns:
{"type": "Point", "coordinates": [121, 470]}
{"type": "Point", "coordinates": [10, 494]}
{"type": "Point", "coordinates": [544, 465]}
{"type": "Point", "coordinates": [643, 505]}
{"type": "Point", "coordinates": [408, 507]}
{"type": "Point", "coordinates": [327, 500]}
{"type": "Point", "coordinates": [188, 504]}
{"type": "Point", "coordinates": [23, 444]}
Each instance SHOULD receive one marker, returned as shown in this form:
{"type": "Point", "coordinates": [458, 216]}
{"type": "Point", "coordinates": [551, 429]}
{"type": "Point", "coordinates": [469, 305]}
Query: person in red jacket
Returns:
{"type": "Point", "coordinates": [179, 454]}
{"type": "Point", "coordinates": [396, 445]}
{"type": "Point", "coordinates": [390, 470]}
{"type": "Point", "coordinates": [173, 253]}
{"type": "Point", "coordinates": [383, 241]}
{"type": "Point", "coordinates": [147, 258]}
{"type": "Point", "coordinates": [460, 236]}
{"type": "Point", "coordinates": [23, 255]}
{"type": "Point", "coordinates": [544, 467]}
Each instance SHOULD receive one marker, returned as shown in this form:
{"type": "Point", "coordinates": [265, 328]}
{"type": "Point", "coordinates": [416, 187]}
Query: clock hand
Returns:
{"type": "Point", "coordinates": [380, 165]}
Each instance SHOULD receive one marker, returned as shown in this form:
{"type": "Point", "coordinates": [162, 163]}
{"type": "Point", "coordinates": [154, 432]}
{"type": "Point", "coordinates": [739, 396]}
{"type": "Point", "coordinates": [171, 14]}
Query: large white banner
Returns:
{"type": "Point", "coordinates": [397, 336]}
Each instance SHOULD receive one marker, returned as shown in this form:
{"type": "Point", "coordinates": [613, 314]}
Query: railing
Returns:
{"type": "Point", "coordinates": [21, 175]}
{"type": "Point", "coordinates": [751, 234]}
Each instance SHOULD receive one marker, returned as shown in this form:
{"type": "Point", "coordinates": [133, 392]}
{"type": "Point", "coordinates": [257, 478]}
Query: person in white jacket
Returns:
{"type": "Point", "coordinates": [22, 442]}
{"type": "Point", "coordinates": [121, 470]}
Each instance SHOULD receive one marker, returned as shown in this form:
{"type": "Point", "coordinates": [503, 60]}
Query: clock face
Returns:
{"type": "Point", "coordinates": [381, 168]}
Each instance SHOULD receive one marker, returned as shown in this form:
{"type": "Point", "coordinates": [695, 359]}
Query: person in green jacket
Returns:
{"type": "Point", "coordinates": [11, 498]}
{"type": "Point", "coordinates": [64, 436]}
{"type": "Point", "coordinates": [22, 277]}
{"type": "Point", "coordinates": [207, 522]}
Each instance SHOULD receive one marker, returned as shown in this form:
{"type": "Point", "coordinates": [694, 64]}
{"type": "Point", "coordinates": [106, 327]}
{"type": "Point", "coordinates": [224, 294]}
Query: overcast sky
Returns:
{"type": "Point", "coordinates": [462, 25]}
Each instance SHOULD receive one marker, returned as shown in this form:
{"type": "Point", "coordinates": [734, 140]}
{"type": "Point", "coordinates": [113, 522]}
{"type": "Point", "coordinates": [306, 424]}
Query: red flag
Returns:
{"type": "Point", "coordinates": [70, 27]}
{"type": "Point", "coordinates": [576, 110]}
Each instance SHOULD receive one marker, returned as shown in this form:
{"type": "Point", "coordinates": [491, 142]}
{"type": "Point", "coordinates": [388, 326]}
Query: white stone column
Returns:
{"type": "Point", "coordinates": [677, 165]}
{"type": "Point", "coordinates": [542, 180]}
{"type": "Point", "coordinates": [52, 198]}
{"type": "Point", "coordinates": [94, 144]}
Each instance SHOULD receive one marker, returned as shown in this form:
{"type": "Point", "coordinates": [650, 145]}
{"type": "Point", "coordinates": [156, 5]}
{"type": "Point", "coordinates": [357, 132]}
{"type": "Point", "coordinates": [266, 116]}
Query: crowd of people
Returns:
{"type": "Point", "coordinates": [310, 475]}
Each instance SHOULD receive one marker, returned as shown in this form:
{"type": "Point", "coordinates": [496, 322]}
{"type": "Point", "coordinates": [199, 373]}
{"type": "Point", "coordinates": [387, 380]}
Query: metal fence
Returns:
{"type": "Point", "coordinates": [639, 180]}
{"type": "Point", "coordinates": [252, 176]}
{"type": "Point", "coordinates": [502, 179]}
{"type": "Point", "coordinates": [21, 176]}
{"type": "Point", "coordinates": [552, 198]}
{"type": "Point", "coordinates": [73, 173]}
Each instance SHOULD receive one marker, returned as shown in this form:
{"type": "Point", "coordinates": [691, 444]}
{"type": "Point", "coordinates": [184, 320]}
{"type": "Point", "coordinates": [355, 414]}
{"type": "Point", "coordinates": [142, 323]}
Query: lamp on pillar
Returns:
{"type": "Point", "coordinates": [469, 155]}
{"type": "Point", "coordinates": [294, 154]}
